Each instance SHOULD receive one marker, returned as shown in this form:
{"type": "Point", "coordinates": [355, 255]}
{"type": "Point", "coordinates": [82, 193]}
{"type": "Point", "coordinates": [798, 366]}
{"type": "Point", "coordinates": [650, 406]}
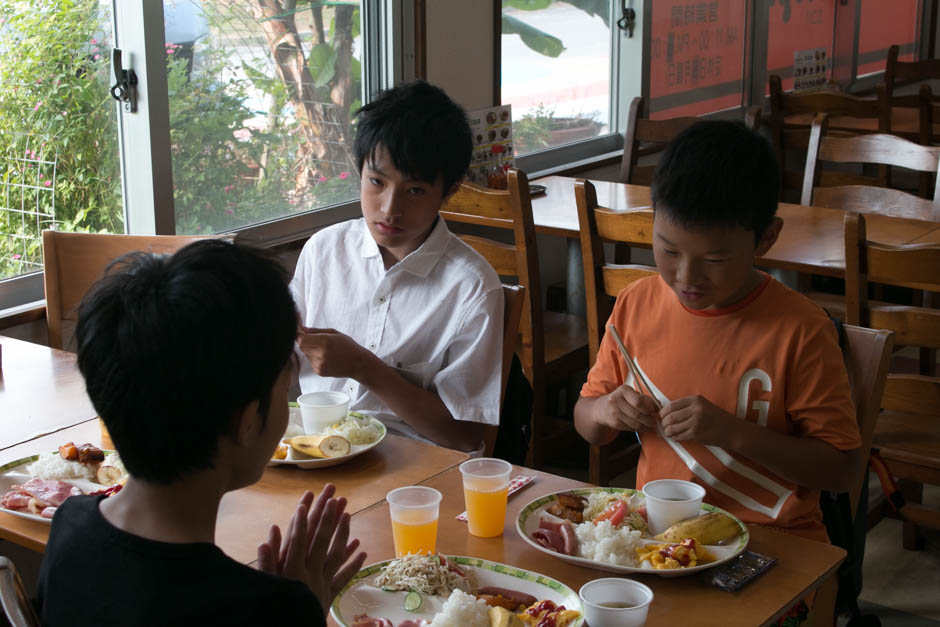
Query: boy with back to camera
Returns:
{"type": "Point", "coordinates": [754, 395]}
{"type": "Point", "coordinates": [396, 311]}
{"type": "Point", "coordinates": [151, 335]}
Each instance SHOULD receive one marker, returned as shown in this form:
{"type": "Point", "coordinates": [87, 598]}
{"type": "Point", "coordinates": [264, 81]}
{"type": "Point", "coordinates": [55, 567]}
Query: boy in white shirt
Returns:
{"type": "Point", "coordinates": [396, 311]}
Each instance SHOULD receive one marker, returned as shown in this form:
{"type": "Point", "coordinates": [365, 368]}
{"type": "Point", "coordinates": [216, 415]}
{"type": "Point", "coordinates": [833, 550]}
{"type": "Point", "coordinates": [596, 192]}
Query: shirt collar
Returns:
{"type": "Point", "coordinates": [421, 261]}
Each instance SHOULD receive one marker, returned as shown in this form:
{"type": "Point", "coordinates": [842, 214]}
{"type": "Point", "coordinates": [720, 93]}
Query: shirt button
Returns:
{"type": "Point", "coordinates": [381, 299]}
{"type": "Point", "coordinates": [372, 346]}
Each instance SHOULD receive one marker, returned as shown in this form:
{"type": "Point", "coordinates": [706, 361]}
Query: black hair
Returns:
{"type": "Point", "coordinates": [718, 173]}
{"type": "Point", "coordinates": [425, 133]}
{"type": "Point", "coordinates": [173, 348]}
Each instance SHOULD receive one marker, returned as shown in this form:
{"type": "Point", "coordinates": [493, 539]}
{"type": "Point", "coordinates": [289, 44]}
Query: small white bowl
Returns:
{"type": "Point", "coordinates": [615, 602]}
{"type": "Point", "coordinates": [319, 410]}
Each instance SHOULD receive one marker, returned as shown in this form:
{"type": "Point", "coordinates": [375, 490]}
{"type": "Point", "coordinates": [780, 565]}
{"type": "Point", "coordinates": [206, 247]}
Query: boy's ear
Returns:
{"type": "Point", "coordinates": [771, 233]}
{"type": "Point", "coordinates": [247, 424]}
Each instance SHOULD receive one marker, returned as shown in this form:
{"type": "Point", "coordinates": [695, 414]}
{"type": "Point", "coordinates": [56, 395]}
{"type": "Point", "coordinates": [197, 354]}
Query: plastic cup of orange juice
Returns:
{"type": "Point", "coordinates": [485, 486]}
{"type": "Point", "coordinates": [414, 512]}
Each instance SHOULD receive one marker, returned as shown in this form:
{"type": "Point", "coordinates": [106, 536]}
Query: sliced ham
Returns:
{"type": "Point", "coordinates": [15, 500]}
{"type": "Point", "coordinates": [49, 512]}
{"type": "Point", "coordinates": [558, 536]}
{"type": "Point", "coordinates": [413, 623]}
{"type": "Point", "coordinates": [364, 620]}
{"type": "Point", "coordinates": [49, 491]}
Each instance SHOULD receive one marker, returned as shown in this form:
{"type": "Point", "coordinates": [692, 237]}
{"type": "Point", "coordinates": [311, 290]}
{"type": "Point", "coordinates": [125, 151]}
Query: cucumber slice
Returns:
{"type": "Point", "coordinates": [412, 601]}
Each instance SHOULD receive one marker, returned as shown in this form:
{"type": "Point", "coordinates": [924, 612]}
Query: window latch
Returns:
{"type": "Point", "coordinates": [627, 20]}
{"type": "Point", "coordinates": [124, 89]}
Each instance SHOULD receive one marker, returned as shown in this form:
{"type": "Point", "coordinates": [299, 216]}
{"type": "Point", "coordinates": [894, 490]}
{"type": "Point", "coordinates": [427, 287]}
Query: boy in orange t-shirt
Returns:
{"type": "Point", "coordinates": [756, 405]}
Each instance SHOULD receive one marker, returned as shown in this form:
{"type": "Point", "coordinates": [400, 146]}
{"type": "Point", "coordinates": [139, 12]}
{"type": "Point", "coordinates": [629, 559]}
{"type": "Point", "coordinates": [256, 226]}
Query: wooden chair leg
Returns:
{"type": "Point", "coordinates": [912, 538]}
{"type": "Point", "coordinates": [823, 610]}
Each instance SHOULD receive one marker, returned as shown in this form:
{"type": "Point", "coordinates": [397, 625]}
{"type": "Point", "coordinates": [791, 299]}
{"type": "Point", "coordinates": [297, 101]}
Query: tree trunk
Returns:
{"type": "Point", "coordinates": [326, 151]}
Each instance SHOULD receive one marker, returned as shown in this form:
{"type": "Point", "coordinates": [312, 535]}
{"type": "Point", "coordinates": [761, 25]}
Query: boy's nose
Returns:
{"type": "Point", "coordinates": [688, 273]}
{"type": "Point", "coordinates": [391, 205]}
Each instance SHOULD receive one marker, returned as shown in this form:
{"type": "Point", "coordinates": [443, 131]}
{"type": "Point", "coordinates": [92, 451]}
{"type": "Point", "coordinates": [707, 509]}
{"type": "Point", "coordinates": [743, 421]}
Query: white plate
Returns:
{"type": "Point", "coordinates": [528, 521]}
{"type": "Point", "coordinates": [15, 473]}
{"type": "Point", "coordinates": [354, 449]}
{"type": "Point", "coordinates": [361, 597]}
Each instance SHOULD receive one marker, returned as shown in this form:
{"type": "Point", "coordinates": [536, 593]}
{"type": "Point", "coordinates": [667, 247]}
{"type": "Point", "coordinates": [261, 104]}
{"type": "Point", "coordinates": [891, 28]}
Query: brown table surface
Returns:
{"type": "Point", "coordinates": [246, 515]}
{"type": "Point", "coordinates": [41, 391]}
{"type": "Point", "coordinates": [812, 240]}
{"type": "Point", "coordinates": [801, 567]}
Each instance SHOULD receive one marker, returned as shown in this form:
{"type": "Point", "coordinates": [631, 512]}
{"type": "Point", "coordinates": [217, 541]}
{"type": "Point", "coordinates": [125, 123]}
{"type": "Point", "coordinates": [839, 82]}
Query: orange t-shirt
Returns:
{"type": "Point", "coordinates": [773, 359]}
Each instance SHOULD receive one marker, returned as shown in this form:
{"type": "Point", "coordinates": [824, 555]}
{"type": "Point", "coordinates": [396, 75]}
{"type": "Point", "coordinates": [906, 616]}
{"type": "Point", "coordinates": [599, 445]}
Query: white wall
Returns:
{"type": "Point", "coordinates": [460, 50]}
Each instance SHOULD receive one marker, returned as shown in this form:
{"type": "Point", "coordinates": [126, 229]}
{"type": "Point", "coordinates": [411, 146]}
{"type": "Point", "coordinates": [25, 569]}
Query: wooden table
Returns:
{"type": "Point", "coordinates": [812, 240]}
{"type": "Point", "coordinates": [41, 391]}
{"type": "Point", "coordinates": [246, 515]}
{"type": "Point", "coordinates": [802, 564]}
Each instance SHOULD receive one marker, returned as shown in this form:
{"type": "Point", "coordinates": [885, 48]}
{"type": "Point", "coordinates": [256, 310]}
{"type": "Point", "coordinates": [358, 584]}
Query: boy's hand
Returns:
{"type": "Point", "coordinates": [331, 353]}
{"type": "Point", "coordinates": [315, 550]}
{"type": "Point", "coordinates": [696, 418]}
{"type": "Point", "coordinates": [625, 409]}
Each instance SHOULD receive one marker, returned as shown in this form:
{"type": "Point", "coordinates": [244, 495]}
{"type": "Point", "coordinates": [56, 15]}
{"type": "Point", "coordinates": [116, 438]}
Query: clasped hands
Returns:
{"type": "Point", "coordinates": [690, 418]}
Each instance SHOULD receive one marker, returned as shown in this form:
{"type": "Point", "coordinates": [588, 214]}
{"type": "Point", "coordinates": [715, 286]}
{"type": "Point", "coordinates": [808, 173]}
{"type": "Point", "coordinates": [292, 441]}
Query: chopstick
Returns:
{"type": "Point", "coordinates": [640, 381]}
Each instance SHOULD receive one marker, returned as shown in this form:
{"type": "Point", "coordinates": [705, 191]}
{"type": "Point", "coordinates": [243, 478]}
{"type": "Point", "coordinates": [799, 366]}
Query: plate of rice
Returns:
{"type": "Point", "coordinates": [361, 430]}
{"type": "Point", "coordinates": [614, 548]}
{"type": "Point", "coordinates": [51, 466]}
{"type": "Point", "coordinates": [443, 606]}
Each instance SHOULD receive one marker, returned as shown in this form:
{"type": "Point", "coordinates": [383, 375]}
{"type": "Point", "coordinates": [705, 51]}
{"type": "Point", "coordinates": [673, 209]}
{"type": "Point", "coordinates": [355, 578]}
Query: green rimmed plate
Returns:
{"type": "Point", "coordinates": [361, 597]}
{"type": "Point", "coordinates": [15, 473]}
{"type": "Point", "coordinates": [529, 516]}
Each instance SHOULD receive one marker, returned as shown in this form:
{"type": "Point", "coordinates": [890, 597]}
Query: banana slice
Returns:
{"type": "Point", "coordinates": [708, 529]}
{"type": "Point", "coordinates": [320, 445]}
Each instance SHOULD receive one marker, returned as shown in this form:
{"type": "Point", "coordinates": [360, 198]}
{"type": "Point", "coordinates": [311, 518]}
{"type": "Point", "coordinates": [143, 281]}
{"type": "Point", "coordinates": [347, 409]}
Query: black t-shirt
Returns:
{"type": "Point", "coordinates": [96, 574]}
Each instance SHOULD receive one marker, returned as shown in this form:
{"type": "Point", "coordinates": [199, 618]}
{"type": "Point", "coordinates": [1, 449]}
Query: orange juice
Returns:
{"type": "Point", "coordinates": [414, 534]}
{"type": "Point", "coordinates": [486, 511]}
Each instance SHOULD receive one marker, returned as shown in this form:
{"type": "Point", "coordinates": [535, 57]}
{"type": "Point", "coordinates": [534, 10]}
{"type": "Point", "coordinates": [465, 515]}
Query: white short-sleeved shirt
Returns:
{"type": "Point", "coordinates": [436, 317]}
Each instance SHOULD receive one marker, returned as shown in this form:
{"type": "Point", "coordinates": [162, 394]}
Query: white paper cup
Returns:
{"type": "Point", "coordinates": [669, 501]}
{"type": "Point", "coordinates": [319, 410]}
{"type": "Point", "coordinates": [615, 602]}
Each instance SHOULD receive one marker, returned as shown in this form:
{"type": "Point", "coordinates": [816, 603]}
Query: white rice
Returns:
{"type": "Point", "coordinates": [52, 466]}
{"type": "Point", "coordinates": [357, 428]}
{"type": "Point", "coordinates": [462, 610]}
{"type": "Point", "coordinates": [605, 543]}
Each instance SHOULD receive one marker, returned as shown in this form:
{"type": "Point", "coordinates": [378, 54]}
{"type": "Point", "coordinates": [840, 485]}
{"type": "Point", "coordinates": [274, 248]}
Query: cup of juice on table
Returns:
{"type": "Point", "coordinates": [669, 501]}
{"type": "Point", "coordinates": [319, 410]}
{"type": "Point", "coordinates": [615, 602]}
{"type": "Point", "coordinates": [414, 511]}
{"type": "Point", "coordinates": [485, 486]}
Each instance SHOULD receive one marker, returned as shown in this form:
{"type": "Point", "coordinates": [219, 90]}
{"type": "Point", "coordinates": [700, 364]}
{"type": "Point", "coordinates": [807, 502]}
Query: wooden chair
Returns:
{"type": "Point", "coordinates": [73, 261]}
{"type": "Point", "coordinates": [907, 71]}
{"type": "Point", "coordinates": [853, 192]}
{"type": "Point", "coordinates": [791, 136]}
{"type": "Point", "coordinates": [14, 598]}
{"type": "Point", "coordinates": [867, 355]}
{"type": "Point", "coordinates": [514, 303]}
{"type": "Point", "coordinates": [908, 429]}
{"type": "Point", "coordinates": [648, 136]}
{"type": "Point", "coordinates": [552, 344]}
{"type": "Point", "coordinates": [602, 282]}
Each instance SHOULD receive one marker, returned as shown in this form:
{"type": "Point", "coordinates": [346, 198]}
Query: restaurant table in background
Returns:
{"type": "Point", "coordinates": [802, 564]}
{"type": "Point", "coordinates": [246, 515]}
{"type": "Point", "coordinates": [41, 391]}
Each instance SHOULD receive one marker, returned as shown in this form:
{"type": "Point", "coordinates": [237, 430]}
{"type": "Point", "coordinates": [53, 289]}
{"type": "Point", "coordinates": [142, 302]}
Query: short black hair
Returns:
{"type": "Point", "coordinates": [173, 348]}
{"type": "Point", "coordinates": [718, 173]}
{"type": "Point", "coordinates": [425, 133]}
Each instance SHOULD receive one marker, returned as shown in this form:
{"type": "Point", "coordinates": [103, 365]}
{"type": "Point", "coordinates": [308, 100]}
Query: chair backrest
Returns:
{"type": "Point", "coordinates": [514, 303]}
{"type": "Point", "coordinates": [74, 261]}
{"type": "Point", "coordinates": [906, 71]}
{"type": "Point", "coordinates": [507, 209]}
{"type": "Point", "coordinates": [854, 192]}
{"type": "Point", "coordinates": [915, 266]}
{"type": "Point", "coordinates": [867, 355]}
{"type": "Point", "coordinates": [795, 136]}
{"type": "Point", "coordinates": [13, 597]}
{"type": "Point", "coordinates": [603, 280]}
{"type": "Point", "coordinates": [652, 135]}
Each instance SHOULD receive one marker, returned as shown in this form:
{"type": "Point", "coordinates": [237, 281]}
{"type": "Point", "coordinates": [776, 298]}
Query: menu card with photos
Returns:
{"type": "Point", "coordinates": [492, 156]}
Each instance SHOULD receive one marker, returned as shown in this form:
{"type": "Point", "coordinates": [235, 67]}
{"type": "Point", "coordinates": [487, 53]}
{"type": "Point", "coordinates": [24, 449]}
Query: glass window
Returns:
{"type": "Point", "coordinates": [58, 128]}
{"type": "Point", "coordinates": [882, 25]}
{"type": "Point", "coordinates": [696, 57]}
{"type": "Point", "coordinates": [555, 71]}
{"type": "Point", "coordinates": [794, 27]}
{"type": "Point", "coordinates": [260, 109]}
